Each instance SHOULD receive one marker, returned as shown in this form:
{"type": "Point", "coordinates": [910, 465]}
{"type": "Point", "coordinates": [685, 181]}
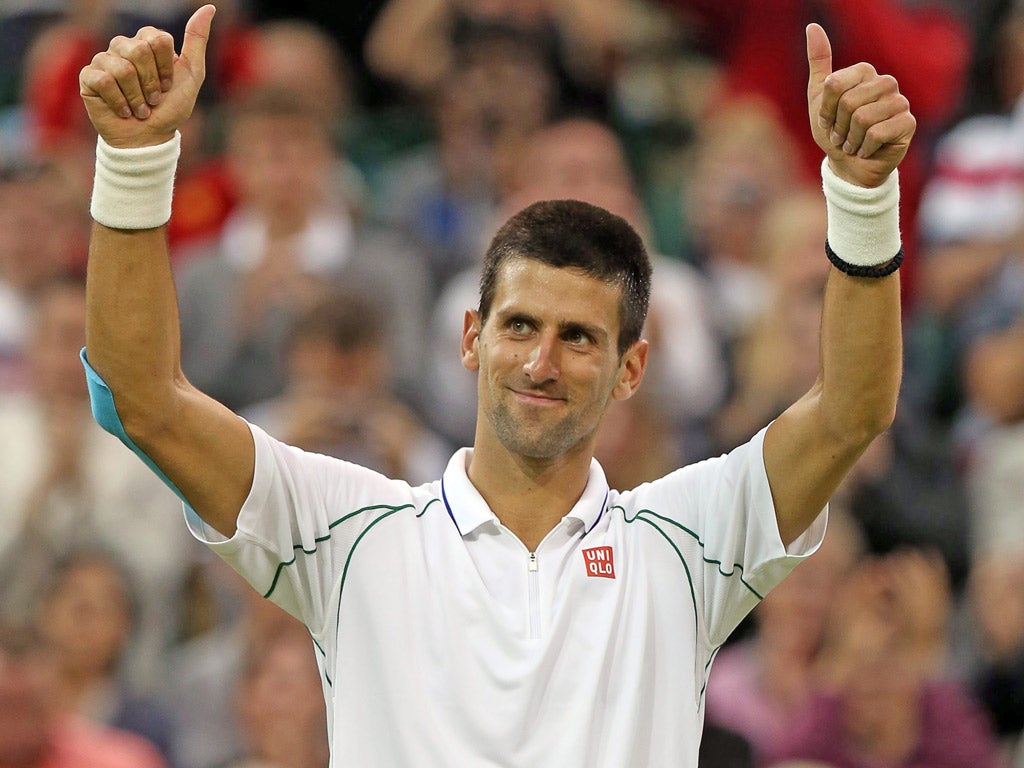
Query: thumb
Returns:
{"type": "Point", "coordinates": [819, 59]}
{"type": "Point", "coordinates": [197, 33]}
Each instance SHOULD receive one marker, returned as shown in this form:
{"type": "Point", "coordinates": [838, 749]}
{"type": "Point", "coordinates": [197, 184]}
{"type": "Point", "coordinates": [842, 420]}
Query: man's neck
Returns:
{"type": "Point", "coordinates": [529, 496]}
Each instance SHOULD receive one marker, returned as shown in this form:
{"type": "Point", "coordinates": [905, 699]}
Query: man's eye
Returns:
{"type": "Point", "coordinates": [577, 337]}
{"type": "Point", "coordinates": [519, 326]}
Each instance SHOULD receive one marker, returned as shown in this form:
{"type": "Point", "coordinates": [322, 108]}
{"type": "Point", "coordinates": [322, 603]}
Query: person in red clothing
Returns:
{"type": "Point", "coordinates": [922, 45]}
{"type": "Point", "coordinates": [33, 735]}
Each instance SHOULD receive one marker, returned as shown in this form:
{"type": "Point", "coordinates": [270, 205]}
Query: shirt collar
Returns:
{"type": "Point", "coordinates": [469, 511]}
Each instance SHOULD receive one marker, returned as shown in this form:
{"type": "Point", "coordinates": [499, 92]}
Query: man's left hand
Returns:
{"type": "Point", "coordinates": [858, 117]}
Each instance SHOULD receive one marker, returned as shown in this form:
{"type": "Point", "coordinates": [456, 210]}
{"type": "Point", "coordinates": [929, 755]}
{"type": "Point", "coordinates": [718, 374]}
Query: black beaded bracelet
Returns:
{"type": "Point", "coordinates": [860, 270]}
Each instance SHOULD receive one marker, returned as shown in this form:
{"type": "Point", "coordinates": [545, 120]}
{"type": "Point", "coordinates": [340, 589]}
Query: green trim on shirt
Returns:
{"type": "Point", "coordinates": [689, 577]}
{"type": "Point", "coordinates": [300, 548]}
{"type": "Point", "coordinates": [366, 530]}
{"type": "Point", "coordinates": [735, 566]}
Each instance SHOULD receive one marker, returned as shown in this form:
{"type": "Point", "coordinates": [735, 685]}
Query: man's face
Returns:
{"type": "Point", "coordinates": [547, 360]}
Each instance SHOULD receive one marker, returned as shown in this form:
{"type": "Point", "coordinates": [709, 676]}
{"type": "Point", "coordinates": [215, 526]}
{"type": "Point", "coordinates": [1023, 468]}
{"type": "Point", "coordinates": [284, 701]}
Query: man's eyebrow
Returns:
{"type": "Point", "coordinates": [509, 314]}
{"type": "Point", "coordinates": [593, 331]}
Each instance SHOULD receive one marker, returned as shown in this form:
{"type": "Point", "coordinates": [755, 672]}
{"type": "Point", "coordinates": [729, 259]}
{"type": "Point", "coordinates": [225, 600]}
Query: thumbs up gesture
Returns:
{"type": "Point", "coordinates": [858, 117]}
{"type": "Point", "coordinates": [139, 91]}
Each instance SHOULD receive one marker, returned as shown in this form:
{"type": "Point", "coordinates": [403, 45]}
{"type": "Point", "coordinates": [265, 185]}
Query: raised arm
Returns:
{"type": "Point", "coordinates": [137, 93]}
{"type": "Point", "coordinates": [864, 126]}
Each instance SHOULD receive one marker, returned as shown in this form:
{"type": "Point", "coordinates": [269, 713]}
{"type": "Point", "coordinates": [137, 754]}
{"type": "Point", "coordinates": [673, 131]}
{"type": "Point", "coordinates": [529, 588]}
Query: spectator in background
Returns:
{"type": "Point", "coordinates": [418, 43]}
{"type": "Point", "coordinates": [973, 213]}
{"type": "Point", "coordinates": [279, 702]}
{"type": "Point", "coordinates": [967, 341]}
{"type": "Point", "coordinates": [337, 400]}
{"type": "Point", "coordinates": [33, 731]}
{"type": "Point", "coordinates": [497, 92]}
{"type": "Point", "coordinates": [627, 425]}
{"type": "Point", "coordinates": [972, 209]}
{"type": "Point", "coordinates": [44, 233]}
{"type": "Point", "coordinates": [86, 619]}
{"type": "Point", "coordinates": [289, 55]}
{"type": "Point", "coordinates": [883, 698]}
{"type": "Point", "coordinates": [207, 668]}
{"type": "Point", "coordinates": [62, 47]}
{"type": "Point", "coordinates": [743, 162]}
{"type": "Point", "coordinates": [298, 55]}
{"type": "Point", "coordinates": [993, 425]}
{"type": "Point", "coordinates": [66, 483]}
{"type": "Point", "coordinates": [584, 159]}
{"type": "Point", "coordinates": [288, 240]}
{"type": "Point", "coordinates": [777, 357]}
{"type": "Point", "coordinates": [302, 58]}
{"type": "Point", "coordinates": [972, 281]}
{"type": "Point", "coordinates": [994, 597]}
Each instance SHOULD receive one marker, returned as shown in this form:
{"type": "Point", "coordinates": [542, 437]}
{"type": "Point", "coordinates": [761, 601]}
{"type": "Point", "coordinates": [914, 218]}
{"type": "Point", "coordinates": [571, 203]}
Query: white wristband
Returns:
{"type": "Point", "coordinates": [134, 186]}
{"type": "Point", "coordinates": [863, 222]}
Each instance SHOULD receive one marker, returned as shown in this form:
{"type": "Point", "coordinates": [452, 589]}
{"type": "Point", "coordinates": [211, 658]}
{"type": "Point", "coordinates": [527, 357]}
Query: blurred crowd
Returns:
{"type": "Point", "coordinates": [338, 184]}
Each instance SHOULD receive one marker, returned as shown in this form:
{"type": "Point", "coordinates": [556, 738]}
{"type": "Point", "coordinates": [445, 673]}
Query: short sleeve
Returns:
{"type": "Point", "coordinates": [721, 511]}
{"type": "Point", "coordinates": [299, 522]}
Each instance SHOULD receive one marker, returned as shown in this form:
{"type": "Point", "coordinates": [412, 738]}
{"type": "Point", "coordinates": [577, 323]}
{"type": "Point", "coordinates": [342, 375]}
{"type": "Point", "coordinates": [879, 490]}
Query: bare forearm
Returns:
{"type": "Point", "coordinates": [817, 441]}
{"type": "Point", "coordinates": [861, 351]}
{"type": "Point", "coordinates": [132, 319]}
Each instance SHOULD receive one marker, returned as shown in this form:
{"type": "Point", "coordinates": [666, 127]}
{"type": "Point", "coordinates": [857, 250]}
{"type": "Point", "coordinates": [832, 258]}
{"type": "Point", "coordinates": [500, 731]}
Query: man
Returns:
{"type": "Point", "coordinates": [518, 611]}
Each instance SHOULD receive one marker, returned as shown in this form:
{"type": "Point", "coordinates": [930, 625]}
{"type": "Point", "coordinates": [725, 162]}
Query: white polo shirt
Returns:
{"type": "Point", "coordinates": [443, 642]}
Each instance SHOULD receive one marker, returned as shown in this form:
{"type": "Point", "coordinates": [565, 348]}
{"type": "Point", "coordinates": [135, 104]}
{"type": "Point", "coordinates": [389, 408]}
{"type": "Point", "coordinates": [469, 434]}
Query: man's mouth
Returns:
{"type": "Point", "coordinates": [537, 397]}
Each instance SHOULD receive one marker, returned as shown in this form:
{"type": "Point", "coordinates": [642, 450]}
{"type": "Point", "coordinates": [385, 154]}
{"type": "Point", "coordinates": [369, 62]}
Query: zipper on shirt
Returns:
{"type": "Point", "coordinates": [534, 596]}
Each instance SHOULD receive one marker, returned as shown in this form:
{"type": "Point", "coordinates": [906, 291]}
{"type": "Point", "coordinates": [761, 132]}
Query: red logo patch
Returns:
{"type": "Point", "coordinates": [599, 562]}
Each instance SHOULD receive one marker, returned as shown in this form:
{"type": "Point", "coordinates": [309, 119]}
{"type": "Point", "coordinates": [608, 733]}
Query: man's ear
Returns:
{"type": "Point", "coordinates": [470, 340]}
{"type": "Point", "coordinates": [631, 371]}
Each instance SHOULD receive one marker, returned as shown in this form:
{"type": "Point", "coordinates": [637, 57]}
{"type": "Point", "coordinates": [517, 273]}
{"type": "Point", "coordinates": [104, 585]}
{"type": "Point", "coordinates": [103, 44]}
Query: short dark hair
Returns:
{"type": "Point", "coordinates": [571, 233]}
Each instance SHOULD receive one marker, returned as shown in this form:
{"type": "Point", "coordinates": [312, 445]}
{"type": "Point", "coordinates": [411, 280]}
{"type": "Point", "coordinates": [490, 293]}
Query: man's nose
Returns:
{"type": "Point", "coordinates": [542, 364]}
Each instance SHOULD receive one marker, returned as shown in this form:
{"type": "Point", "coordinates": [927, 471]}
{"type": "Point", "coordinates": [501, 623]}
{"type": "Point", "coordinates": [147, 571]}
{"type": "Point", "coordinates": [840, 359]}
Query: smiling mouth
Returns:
{"type": "Point", "coordinates": [536, 398]}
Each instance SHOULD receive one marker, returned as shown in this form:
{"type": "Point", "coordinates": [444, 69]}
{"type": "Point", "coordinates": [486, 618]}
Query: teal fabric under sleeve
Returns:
{"type": "Point", "coordinates": [105, 413]}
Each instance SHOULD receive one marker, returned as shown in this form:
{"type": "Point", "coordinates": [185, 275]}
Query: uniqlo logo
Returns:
{"type": "Point", "coordinates": [599, 562]}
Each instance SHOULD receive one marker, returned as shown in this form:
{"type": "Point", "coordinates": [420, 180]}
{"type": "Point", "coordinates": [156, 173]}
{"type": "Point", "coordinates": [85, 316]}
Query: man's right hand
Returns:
{"type": "Point", "coordinates": [139, 91]}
